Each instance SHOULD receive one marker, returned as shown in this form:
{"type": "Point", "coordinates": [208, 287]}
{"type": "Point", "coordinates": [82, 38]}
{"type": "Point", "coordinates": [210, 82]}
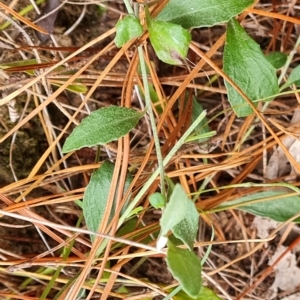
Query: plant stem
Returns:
{"type": "Point", "coordinates": [173, 293]}
{"type": "Point", "coordinates": [167, 159]}
{"type": "Point", "coordinates": [128, 6]}
{"type": "Point", "coordinates": [289, 60]}
{"type": "Point", "coordinates": [152, 119]}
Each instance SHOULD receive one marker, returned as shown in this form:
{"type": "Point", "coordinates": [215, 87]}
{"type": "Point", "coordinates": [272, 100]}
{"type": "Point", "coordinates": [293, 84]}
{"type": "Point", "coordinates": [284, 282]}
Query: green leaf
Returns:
{"type": "Point", "coordinates": [175, 210]}
{"type": "Point", "coordinates": [96, 195]}
{"type": "Point", "coordinates": [19, 63]}
{"type": "Point", "coordinates": [277, 59]}
{"type": "Point", "coordinates": [195, 13]}
{"type": "Point", "coordinates": [22, 12]}
{"type": "Point", "coordinates": [79, 203]}
{"type": "Point", "coordinates": [76, 88]}
{"type": "Point", "coordinates": [170, 186]}
{"type": "Point", "coordinates": [134, 225]}
{"type": "Point", "coordinates": [102, 126]}
{"type": "Point", "coordinates": [294, 78]}
{"type": "Point", "coordinates": [202, 128]}
{"type": "Point", "coordinates": [154, 98]}
{"type": "Point", "coordinates": [246, 65]}
{"type": "Point", "coordinates": [205, 294]}
{"type": "Point", "coordinates": [157, 200]}
{"type": "Point", "coordinates": [187, 229]}
{"type": "Point", "coordinates": [153, 95]}
{"type": "Point", "coordinates": [279, 210]}
{"type": "Point", "coordinates": [185, 266]}
{"type": "Point", "coordinates": [173, 239]}
{"type": "Point", "coordinates": [127, 29]}
{"type": "Point", "coordinates": [180, 216]}
{"type": "Point", "coordinates": [170, 41]}
{"type": "Point", "coordinates": [122, 290]}
{"type": "Point", "coordinates": [135, 211]}
{"type": "Point", "coordinates": [129, 226]}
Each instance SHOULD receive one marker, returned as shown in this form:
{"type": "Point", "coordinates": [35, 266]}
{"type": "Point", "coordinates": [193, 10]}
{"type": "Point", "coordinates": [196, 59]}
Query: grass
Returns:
{"type": "Point", "coordinates": [53, 258]}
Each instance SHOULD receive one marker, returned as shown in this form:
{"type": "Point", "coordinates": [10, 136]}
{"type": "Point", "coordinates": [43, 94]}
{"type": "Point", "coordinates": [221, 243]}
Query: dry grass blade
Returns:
{"type": "Point", "coordinates": [22, 19]}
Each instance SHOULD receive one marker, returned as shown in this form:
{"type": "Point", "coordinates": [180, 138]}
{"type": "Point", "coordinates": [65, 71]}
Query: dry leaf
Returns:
{"type": "Point", "coordinates": [287, 276]}
{"type": "Point", "coordinates": [264, 226]}
{"type": "Point", "coordinates": [48, 22]}
{"type": "Point", "coordinates": [278, 164]}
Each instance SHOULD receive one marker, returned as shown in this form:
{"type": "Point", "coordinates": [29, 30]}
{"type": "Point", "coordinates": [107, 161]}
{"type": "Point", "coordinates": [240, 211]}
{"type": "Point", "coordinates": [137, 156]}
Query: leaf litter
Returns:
{"type": "Point", "coordinates": [192, 167]}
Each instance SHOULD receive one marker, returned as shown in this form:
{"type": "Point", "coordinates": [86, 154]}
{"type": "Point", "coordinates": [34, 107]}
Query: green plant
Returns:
{"type": "Point", "coordinates": [169, 34]}
{"type": "Point", "coordinates": [113, 203]}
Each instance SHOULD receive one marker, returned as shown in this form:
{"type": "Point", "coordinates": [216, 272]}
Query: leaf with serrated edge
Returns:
{"type": "Point", "coordinates": [127, 29]}
{"type": "Point", "coordinates": [195, 13]}
{"type": "Point", "coordinates": [170, 41]}
{"type": "Point", "coordinates": [185, 266]}
{"type": "Point", "coordinates": [96, 195]}
{"type": "Point", "coordinates": [246, 65]}
{"type": "Point", "coordinates": [102, 126]}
